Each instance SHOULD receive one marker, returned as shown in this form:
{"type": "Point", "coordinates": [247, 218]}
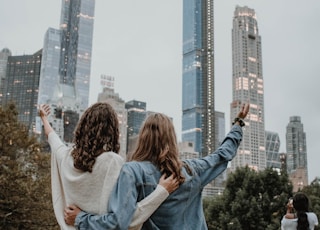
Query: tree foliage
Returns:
{"type": "Point", "coordinates": [251, 200]}
{"type": "Point", "coordinates": [25, 193]}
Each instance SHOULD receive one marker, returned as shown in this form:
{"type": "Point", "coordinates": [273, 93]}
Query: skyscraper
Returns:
{"type": "Point", "coordinates": [4, 54]}
{"type": "Point", "coordinates": [65, 76]}
{"type": "Point", "coordinates": [272, 150]}
{"type": "Point", "coordinates": [21, 85]}
{"type": "Point", "coordinates": [76, 25]}
{"type": "Point", "coordinates": [198, 110]}
{"type": "Point", "coordinates": [137, 113]}
{"type": "Point", "coordinates": [49, 79]}
{"type": "Point", "coordinates": [247, 86]}
{"type": "Point", "coordinates": [297, 149]}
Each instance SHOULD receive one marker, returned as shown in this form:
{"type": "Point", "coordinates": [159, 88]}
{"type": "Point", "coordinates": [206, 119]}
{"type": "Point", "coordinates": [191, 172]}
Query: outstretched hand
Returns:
{"type": "Point", "coordinates": [170, 183]}
{"type": "Point", "coordinates": [70, 214]}
{"type": "Point", "coordinates": [44, 110]}
{"type": "Point", "coordinates": [244, 111]}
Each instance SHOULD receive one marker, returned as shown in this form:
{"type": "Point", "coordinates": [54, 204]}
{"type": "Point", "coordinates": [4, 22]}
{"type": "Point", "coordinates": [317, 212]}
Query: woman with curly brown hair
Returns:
{"type": "Point", "coordinates": [85, 173]}
{"type": "Point", "coordinates": [157, 153]}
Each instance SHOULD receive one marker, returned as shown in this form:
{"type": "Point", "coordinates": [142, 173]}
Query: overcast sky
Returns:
{"type": "Point", "coordinates": [140, 44]}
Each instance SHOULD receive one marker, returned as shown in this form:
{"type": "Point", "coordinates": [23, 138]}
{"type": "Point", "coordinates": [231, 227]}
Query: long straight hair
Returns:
{"type": "Point", "coordinates": [301, 205]}
{"type": "Point", "coordinates": [157, 143]}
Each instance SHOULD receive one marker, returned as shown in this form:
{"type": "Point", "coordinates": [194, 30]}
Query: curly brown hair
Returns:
{"type": "Point", "coordinates": [96, 132]}
{"type": "Point", "coordinates": [157, 143]}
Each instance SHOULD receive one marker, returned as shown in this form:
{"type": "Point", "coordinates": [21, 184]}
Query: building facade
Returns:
{"type": "Point", "coordinates": [247, 87]}
{"type": "Point", "coordinates": [4, 54]}
{"type": "Point", "coordinates": [296, 145]}
{"type": "Point", "coordinates": [49, 79]}
{"type": "Point", "coordinates": [137, 113]}
{"type": "Point", "coordinates": [198, 110]}
{"type": "Point", "coordinates": [272, 150]}
{"type": "Point", "coordinates": [65, 75]}
{"type": "Point", "coordinates": [21, 85]}
{"type": "Point", "coordinates": [76, 25]}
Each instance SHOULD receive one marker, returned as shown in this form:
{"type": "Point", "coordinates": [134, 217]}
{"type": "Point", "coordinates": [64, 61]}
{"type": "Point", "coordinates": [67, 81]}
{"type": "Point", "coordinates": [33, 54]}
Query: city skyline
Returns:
{"type": "Point", "coordinates": [142, 49]}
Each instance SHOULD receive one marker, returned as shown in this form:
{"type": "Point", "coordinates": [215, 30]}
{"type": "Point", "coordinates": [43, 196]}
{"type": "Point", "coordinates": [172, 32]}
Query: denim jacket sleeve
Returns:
{"type": "Point", "coordinates": [211, 166]}
{"type": "Point", "coordinates": [121, 206]}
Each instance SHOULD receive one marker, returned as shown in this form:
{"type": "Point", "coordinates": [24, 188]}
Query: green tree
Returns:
{"type": "Point", "coordinates": [251, 200]}
{"type": "Point", "coordinates": [25, 193]}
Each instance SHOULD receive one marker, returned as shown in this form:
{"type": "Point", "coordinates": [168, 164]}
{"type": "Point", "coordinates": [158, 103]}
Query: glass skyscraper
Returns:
{"type": "Point", "coordinates": [198, 110]}
{"type": "Point", "coordinates": [50, 66]}
{"type": "Point", "coordinates": [65, 73]}
{"type": "Point", "coordinates": [76, 27]}
{"type": "Point", "coordinates": [21, 85]}
{"type": "Point", "coordinates": [67, 55]}
{"type": "Point", "coordinates": [272, 150]}
{"type": "Point", "coordinates": [247, 86]}
{"type": "Point", "coordinates": [296, 145]}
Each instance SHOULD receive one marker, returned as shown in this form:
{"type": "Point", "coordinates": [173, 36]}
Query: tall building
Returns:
{"type": "Point", "coordinates": [220, 130]}
{"type": "Point", "coordinates": [137, 113]}
{"type": "Point", "coordinates": [108, 95]}
{"type": "Point", "coordinates": [49, 79]}
{"type": "Point", "coordinates": [136, 116]}
{"type": "Point", "coordinates": [297, 151]}
{"type": "Point", "coordinates": [21, 85]}
{"type": "Point", "coordinates": [4, 54]}
{"type": "Point", "coordinates": [198, 110]}
{"type": "Point", "coordinates": [220, 133]}
{"type": "Point", "coordinates": [247, 86]}
{"type": "Point", "coordinates": [76, 25]}
{"type": "Point", "coordinates": [65, 76]}
{"type": "Point", "coordinates": [272, 150]}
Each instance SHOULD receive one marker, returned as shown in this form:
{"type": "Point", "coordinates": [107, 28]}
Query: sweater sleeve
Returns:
{"type": "Point", "coordinates": [58, 148]}
{"type": "Point", "coordinates": [147, 206]}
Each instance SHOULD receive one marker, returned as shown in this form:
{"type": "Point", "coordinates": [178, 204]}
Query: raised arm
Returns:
{"type": "Point", "coordinates": [209, 167]}
{"type": "Point", "coordinates": [290, 211]}
{"type": "Point", "coordinates": [44, 111]}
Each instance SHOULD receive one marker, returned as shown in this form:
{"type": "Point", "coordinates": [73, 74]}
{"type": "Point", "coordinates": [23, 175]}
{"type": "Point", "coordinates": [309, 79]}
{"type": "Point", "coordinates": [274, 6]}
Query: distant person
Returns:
{"type": "Point", "coordinates": [298, 215]}
{"type": "Point", "coordinates": [157, 153]}
{"type": "Point", "coordinates": [85, 173]}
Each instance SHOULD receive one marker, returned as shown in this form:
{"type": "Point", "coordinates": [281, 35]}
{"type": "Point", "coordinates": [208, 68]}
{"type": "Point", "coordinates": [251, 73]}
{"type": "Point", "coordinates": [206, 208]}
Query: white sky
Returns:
{"type": "Point", "coordinates": [140, 44]}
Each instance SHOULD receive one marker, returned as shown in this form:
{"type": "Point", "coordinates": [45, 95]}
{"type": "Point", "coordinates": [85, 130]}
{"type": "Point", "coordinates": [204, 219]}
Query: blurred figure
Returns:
{"type": "Point", "coordinates": [298, 215]}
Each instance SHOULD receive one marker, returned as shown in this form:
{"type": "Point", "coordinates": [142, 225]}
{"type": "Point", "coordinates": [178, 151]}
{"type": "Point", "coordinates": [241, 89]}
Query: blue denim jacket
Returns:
{"type": "Point", "coordinates": [181, 210]}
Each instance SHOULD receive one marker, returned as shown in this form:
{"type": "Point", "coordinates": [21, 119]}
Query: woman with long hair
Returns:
{"type": "Point", "coordinates": [157, 153]}
{"type": "Point", "coordinates": [298, 215]}
{"type": "Point", "coordinates": [85, 173]}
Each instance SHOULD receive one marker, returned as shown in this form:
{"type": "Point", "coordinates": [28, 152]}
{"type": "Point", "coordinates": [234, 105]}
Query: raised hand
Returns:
{"type": "Point", "coordinates": [44, 110]}
{"type": "Point", "coordinates": [244, 110]}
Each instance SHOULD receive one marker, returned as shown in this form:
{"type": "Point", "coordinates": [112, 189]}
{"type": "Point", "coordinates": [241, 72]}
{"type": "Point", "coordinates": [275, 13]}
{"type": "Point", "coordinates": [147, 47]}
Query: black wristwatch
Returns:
{"type": "Point", "coordinates": [240, 120]}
